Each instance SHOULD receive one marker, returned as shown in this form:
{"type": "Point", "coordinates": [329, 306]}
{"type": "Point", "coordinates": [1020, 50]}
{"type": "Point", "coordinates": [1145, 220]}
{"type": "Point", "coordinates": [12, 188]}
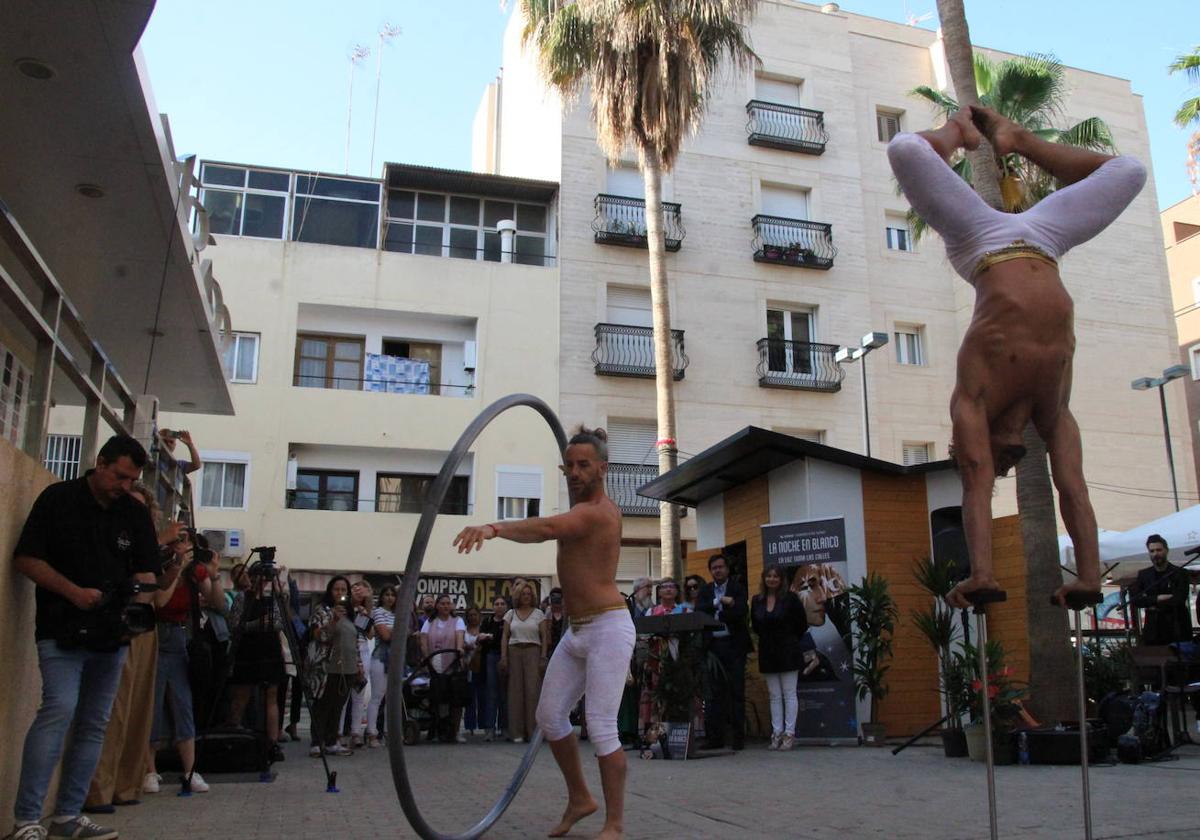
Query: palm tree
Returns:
{"type": "Point", "coordinates": [650, 67]}
{"type": "Point", "coordinates": [1049, 648]}
{"type": "Point", "coordinates": [1189, 111]}
{"type": "Point", "coordinates": [1028, 90]}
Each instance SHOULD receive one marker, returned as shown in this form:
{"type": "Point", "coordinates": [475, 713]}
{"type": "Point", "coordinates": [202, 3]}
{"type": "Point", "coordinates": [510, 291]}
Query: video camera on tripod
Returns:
{"type": "Point", "coordinates": [264, 566]}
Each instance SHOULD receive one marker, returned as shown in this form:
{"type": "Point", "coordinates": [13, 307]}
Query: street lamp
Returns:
{"type": "Point", "coordinates": [1145, 383]}
{"type": "Point", "coordinates": [870, 341]}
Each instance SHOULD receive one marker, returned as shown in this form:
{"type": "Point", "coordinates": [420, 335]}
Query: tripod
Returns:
{"type": "Point", "coordinates": [265, 573]}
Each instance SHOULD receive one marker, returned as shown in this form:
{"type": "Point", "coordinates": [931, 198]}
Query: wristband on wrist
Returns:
{"type": "Point", "coordinates": [495, 530]}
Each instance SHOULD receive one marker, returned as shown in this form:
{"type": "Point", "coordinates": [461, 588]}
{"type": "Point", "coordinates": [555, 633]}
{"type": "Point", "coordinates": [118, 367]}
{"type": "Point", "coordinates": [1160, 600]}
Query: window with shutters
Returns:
{"type": "Point", "coordinates": [777, 91]}
{"type": "Point", "coordinates": [625, 179]}
{"type": "Point", "coordinates": [1194, 355]}
{"type": "Point", "coordinates": [910, 344]}
{"type": "Point", "coordinates": [784, 202]}
{"type": "Point", "coordinates": [518, 492]}
{"type": "Point", "coordinates": [887, 124]}
{"type": "Point", "coordinates": [15, 381]}
{"type": "Point", "coordinates": [638, 561]}
{"type": "Point", "coordinates": [632, 461]}
{"type": "Point", "coordinates": [897, 234]}
{"type": "Point", "coordinates": [628, 306]}
{"type": "Point", "coordinates": [813, 435]}
{"type": "Point", "coordinates": [917, 453]}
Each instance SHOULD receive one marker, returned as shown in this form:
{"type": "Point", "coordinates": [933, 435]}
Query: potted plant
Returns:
{"type": "Point", "coordinates": [1004, 696]}
{"type": "Point", "coordinates": [936, 623]}
{"type": "Point", "coordinates": [798, 252]}
{"type": "Point", "coordinates": [874, 613]}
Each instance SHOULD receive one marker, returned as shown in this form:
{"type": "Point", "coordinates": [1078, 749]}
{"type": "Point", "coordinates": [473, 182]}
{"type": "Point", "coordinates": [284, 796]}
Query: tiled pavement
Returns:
{"type": "Point", "coordinates": [816, 792]}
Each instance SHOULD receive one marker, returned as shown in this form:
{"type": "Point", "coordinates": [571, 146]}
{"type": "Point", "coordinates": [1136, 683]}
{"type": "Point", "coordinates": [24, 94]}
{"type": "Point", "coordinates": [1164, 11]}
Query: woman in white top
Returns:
{"type": "Point", "coordinates": [384, 617]}
{"type": "Point", "coordinates": [362, 601]}
{"type": "Point", "coordinates": [524, 649]}
{"type": "Point", "coordinates": [445, 632]}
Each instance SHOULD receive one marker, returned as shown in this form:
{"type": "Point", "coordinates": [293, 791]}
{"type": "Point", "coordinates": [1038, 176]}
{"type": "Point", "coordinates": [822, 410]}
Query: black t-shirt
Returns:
{"type": "Point", "coordinates": [91, 546]}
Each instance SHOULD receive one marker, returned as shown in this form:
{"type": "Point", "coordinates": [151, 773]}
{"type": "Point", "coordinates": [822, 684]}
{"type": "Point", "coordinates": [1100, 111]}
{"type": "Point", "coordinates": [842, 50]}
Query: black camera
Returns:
{"type": "Point", "coordinates": [265, 566]}
{"type": "Point", "coordinates": [113, 622]}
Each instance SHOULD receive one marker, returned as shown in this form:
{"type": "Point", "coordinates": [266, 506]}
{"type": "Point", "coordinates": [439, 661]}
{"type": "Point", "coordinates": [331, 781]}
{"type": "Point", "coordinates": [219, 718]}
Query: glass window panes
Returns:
{"type": "Point", "coordinates": [898, 239]}
{"type": "Point", "coordinates": [491, 247]}
{"type": "Point", "coordinates": [274, 181]}
{"type": "Point", "coordinates": [431, 207]}
{"type": "Point", "coordinates": [405, 493]}
{"type": "Point", "coordinates": [530, 250]}
{"type": "Point", "coordinates": [401, 204]}
{"type": "Point", "coordinates": [225, 176]}
{"type": "Point", "coordinates": [908, 347]}
{"type": "Point", "coordinates": [223, 485]}
{"type": "Point", "coordinates": [263, 216]}
{"type": "Point", "coordinates": [531, 217]}
{"type": "Point", "coordinates": [464, 210]}
{"type": "Point", "coordinates": [495, 212]}
{"type": "Point", "coordinates": [510, 507]}
{"type": "Point", "coordinates": [428, 240]}
{"type": "Point", "coordinates": [224, 211]}
{"type": "Point", "coordinates": [337, 188]}
{"type": "Point", "coordinates": [241, 357]}
{"type": "Point", "coordinates": [328, 222]}
{"type": "Point", "coordinates": [463, 242]}
{"type": "Point", "coordinates": [399, 237]}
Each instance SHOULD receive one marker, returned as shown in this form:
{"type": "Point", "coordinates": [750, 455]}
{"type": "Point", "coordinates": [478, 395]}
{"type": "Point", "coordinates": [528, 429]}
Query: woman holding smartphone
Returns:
{"type": "Point", "coordinates": [333, 665]}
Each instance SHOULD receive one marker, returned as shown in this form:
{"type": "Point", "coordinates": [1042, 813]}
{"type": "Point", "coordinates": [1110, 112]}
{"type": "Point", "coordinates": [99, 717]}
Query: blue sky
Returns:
{"type": "Point", "coordinates": [267, 81]}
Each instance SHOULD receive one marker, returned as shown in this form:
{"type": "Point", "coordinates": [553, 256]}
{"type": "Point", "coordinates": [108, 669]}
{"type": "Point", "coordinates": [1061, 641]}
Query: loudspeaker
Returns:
{"type": "Point", "coordinates": [949, 539]}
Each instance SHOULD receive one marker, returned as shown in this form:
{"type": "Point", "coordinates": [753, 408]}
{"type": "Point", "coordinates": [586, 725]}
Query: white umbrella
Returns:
{"type": "Point", "coordinates": [1181, 530]}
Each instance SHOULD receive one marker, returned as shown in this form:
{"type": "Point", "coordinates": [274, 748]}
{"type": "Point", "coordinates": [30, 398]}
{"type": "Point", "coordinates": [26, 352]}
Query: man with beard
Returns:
{"type": "Point", "coordinates": [593, 655]}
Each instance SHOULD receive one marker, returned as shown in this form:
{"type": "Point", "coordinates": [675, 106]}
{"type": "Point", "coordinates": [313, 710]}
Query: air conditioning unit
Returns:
{"type": "Point", "coordinates": [227, 542]}
{"type": "Point", "coordinates": [470, 355]}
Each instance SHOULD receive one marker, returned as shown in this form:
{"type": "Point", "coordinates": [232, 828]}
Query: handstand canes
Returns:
{"type": "Point", "coordinates": [1077, 602]}
{"type": "Point", "coordinates": [979, 599]}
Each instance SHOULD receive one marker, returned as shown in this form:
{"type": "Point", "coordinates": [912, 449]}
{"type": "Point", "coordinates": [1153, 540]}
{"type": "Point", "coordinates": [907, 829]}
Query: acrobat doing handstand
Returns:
{"type": "Point", "coordinates": [1014, 365]}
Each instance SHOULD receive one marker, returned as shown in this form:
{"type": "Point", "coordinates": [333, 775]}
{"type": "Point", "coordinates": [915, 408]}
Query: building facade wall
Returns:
{"type": "Point", "coordinates": [1181, 234]}
{"type": "Point", "coordinates": [849, 66]}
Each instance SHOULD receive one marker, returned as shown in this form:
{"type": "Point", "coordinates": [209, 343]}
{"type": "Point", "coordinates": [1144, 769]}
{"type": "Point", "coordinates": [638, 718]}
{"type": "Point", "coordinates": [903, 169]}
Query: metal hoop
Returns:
{"type": "Point", "coordinates": [404, 611]}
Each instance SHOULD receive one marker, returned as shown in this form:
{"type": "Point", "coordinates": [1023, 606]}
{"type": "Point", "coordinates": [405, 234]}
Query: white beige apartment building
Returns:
{"type": "Point", "coordinates": [788, 239]}
{"type": "Point", "coordinates": [1181, 234]}
{"type": "Point", "coordinates": [376, 319]}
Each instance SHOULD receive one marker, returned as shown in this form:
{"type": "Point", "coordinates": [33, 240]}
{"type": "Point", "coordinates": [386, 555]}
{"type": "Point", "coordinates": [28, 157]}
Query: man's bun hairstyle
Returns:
{"type": "Point", "coordinates": [596, 438]}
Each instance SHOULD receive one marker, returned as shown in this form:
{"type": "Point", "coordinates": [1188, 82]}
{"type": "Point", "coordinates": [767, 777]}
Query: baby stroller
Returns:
{"type": "Point", "coordinates": [429, 696]}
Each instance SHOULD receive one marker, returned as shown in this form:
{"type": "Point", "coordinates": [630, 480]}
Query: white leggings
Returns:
{"type": "Point", "coordinates": [378, 692]}
{"type": "Point", "coordinates": [590, 660]}
{"type": "Point", "coordinates": [785, 704]}
{"type": "Point", "coordinates": [970, 228]}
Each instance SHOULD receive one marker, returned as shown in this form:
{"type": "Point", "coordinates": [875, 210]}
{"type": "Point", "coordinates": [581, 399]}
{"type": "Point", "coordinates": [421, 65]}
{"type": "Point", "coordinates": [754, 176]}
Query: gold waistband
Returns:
{"type": "Point", "coordinates": [584, 618]}
{"type": "Point", "coordinates": [1018, 250]}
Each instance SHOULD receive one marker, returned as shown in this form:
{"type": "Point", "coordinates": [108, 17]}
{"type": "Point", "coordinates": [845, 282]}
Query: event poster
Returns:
{"type": "Point", "coordinates": [812, 556]}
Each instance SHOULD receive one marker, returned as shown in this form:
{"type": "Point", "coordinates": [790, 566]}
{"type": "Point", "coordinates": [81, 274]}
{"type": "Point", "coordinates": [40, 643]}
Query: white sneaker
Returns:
{"type": "Point", "coordinates": [29, 831]}
{"type": "Point", "coordinates": [314, 752]}
{"type": "Point", "coordinates": [152, 783]}
{"type": "Point", "coordinates": [462, 738]}
{"type": "Point", "coordinates": [518, 740]}
{"type": "Point", "coordinates": [283, 737]}
{"type": "Point", "coordinates": [198, 783]}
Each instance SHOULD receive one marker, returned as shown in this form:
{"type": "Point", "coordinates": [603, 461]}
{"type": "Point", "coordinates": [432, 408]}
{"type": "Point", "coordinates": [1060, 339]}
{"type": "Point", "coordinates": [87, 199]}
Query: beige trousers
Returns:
{"type": "Point", "coordinates": [122, 766]}
{"type": "Point", "coordinates": [524, 687]}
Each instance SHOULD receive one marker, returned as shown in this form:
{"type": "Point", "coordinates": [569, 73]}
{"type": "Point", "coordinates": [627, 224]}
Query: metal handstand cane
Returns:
{"type": "Point", "coordinates": [979, 600]}
{"type": "Point", "coordinates": [1077, 602]}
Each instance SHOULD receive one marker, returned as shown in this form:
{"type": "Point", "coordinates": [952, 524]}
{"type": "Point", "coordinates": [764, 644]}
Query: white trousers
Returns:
{"type": "Point", "coordinates": [378, 692]}
{"type": "Point", "coordinates": [785, 705]}
{"type": "Point", "coordinates": [590, 660]}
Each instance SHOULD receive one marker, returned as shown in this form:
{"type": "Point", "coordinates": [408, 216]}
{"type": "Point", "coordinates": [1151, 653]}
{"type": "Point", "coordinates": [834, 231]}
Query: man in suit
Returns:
{"type": "Point", "coordinates": [1161, 593]}
{"type": "Point", "coordinates": [725, 700]}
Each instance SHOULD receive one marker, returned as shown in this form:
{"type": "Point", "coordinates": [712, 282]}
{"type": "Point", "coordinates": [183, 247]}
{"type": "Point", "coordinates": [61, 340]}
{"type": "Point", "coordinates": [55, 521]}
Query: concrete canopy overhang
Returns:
{"type": "Point", "coordinates": [125, 259]}
{"type": "Point", "coordinates": [753, 452]}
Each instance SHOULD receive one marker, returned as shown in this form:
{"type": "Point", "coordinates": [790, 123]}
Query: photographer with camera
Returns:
{"type": "Point", "coordinates": [83, 540]}
{"type": "Point", "coordinates": [192, 462]}
{"type": "Point", "coordinates": [333, 666]}
{"type": "Point", "coordinates": [177, 607]}
{"type": "Point", "coordinates": [258, 657]}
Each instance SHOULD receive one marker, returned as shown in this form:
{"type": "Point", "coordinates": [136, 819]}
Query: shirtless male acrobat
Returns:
{"type": "Point", "coordinates": [1015, 362]}
{"type": "Point", "coordinates": [594, 653]}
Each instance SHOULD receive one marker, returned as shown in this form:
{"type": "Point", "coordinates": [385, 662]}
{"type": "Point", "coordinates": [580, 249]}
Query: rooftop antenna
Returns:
{"type": "Point", "coordinates": [356, 57]}
{"type": "Point", "coordinates": [912, 19]}
{"type": "Point", "coordinates": [387, 33]}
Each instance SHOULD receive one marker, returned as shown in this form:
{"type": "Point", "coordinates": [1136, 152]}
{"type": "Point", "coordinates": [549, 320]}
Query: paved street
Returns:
{"type": "Point", "coordinates": [816, 792]}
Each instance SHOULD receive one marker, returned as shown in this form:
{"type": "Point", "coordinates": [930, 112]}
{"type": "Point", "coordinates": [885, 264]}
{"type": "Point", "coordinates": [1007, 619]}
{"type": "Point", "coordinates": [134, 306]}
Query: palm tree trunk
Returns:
{"type": "Point", "coordinates": [1050, 691]}
{"type": "Point", "coordinates": [668, 452]}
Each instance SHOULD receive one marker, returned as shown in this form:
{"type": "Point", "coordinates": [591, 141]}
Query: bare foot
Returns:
{"type": "Point", "coordinates": [1088, 587]}
{"type": "Point", "coordinates": [971, 138]}
{"type": "Point", "coordinates": [572, 815]}
{"type": "Point", "coordinates": [1001, 132]}
{"type": "Point", "coordinates": [957, 597]}
{"type": "Point", "coordinates": [611, 832]}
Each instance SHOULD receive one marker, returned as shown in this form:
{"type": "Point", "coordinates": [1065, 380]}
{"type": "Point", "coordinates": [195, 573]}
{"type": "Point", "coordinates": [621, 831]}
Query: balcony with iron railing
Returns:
{"type": "Point", "coordinates": [794, 242]}
{"type": "Point", "coordinates": [786, 127]}
{"type": "Point", "coordinates": [802, 365]}
{"type": "Point", "coordinates": [629, 351]}
{"type": "Point", "coordinates": [621, 220]}
{"type": "Point", "coordinates": [622, 483]}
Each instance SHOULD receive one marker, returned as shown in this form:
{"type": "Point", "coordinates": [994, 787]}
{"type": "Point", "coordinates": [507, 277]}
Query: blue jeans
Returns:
{"type": "Point", "coordinates": [475, 712]}
{"type": "Point", "coordinates": [172, 684]}
{"type": "Point", "coordinates": [77, 685]}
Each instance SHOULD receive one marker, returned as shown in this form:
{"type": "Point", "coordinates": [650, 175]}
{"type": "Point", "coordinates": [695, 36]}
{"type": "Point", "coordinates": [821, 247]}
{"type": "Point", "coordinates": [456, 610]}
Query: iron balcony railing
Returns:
{"type": "Point", "coordinates": [622, 484]}
{"type": "Point", "coordinates": [622, 221]}
{"type": "Point", "coordinates": [786, 127]}
{"type": "Point", "coordinates": [629, 351]}
{"type": "Point", "coordinates": [795, 242]}
{"type": "Point", "coordinates": [798, 364]}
